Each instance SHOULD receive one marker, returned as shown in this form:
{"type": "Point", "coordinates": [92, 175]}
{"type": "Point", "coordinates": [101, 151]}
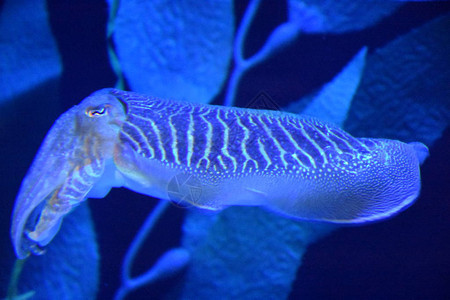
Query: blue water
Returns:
{"type": "Point", "coordinates": [406, 257]}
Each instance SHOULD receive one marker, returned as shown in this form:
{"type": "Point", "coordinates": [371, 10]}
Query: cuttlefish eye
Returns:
{"type": "Point", "coordinates": [97, 111]}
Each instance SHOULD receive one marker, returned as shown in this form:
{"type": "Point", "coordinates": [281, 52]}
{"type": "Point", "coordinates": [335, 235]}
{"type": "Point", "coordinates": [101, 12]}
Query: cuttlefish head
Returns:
{"type": "Point", "coordinates": [69, 162]}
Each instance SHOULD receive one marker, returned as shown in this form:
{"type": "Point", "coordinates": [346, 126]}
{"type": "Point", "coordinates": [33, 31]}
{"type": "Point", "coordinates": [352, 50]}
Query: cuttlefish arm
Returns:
{"type": "Point", "coordinates": [211, 157]}
{"type": "Point", "coordinates": [71, 160]}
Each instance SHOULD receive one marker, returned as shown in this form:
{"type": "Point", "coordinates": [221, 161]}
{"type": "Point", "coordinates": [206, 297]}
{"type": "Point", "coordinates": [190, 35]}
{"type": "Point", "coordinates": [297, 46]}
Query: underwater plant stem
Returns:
{"type": "Point", "coordinates": [113, 59]}
{"type": "Point", "coordinates": [129, 283]}
{"type": "Point", "coordinates": [242, 31]}
{"type": "Point", "coordinates": [241, 64]}
{"type": "Point", "coordinates": [14, 279]}
{"type": "Point", "coordinates": [233, 84]}
{"type": "Point", "coordinates": [143, 233]}
{"type": "Point", "coordinates": [280, 37]}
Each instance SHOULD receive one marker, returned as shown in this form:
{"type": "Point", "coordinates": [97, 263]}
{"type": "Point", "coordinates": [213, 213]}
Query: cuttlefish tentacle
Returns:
{"type": "Point", "coordinates": [211, 157]}
{"type": "Point", "coordinates": [70, 161]}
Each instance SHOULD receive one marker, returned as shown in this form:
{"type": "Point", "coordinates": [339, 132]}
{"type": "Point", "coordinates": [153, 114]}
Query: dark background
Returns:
{"type": "Point", "coordinates": [407, 257]}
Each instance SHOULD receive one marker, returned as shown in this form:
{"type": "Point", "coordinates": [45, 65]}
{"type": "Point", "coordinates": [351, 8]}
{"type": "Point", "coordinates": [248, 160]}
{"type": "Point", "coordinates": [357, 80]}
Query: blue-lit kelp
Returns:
{"type": "Point", "coordinates": [171, 262]}
{"type": "Point", "coordinates": [245, 253]}
{"type": "Point", "coordinates": [334, 99]}
{"type": "Point", "coordinates": [176, 50]}
{"type": "Point", "coordinates": [327, 16]}
{"type": "Point", "coordinates": [405, 91]}
{"type": "Point", "coordinates": [69, 269]}
{"type": "Point", "coordinates": [27, 49]}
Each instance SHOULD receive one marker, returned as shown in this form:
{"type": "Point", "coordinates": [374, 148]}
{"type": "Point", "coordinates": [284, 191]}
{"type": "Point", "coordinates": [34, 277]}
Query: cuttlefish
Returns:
{"type": "Point", "coordinates": [295, 165]}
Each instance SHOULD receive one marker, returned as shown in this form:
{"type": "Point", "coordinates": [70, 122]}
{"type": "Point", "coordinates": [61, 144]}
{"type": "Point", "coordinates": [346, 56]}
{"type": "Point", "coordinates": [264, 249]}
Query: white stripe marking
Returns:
{"type": "Point", "coordinates": [244, 147]}
{"type": "Point", "coordinates": [139, 130]}
{"type": "Point", "coordinates": [297, 146]}
{"type": "Point", "coordinates": [264, 153]}
{"type": "Point", "coordinates": [224, 149]}
{"type": "Point", "coordinates": [277, 144]}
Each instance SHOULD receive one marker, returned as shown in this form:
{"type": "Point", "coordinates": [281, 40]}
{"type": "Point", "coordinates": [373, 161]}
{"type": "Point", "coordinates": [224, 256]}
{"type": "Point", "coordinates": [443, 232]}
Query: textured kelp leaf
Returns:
{"type": "Point", "coordinates": [331, 16]}
{"type": "Point", "coordinates": [333, 101]}
{"type": "Point", "coordinates": [28, 52]}
{"type": "Point", "coordinates": [244, 253]}
{"type": "Point", "coordinates": [405, 90]}
{"type": "Point", "coordinates": [175, 49]}
{"type": "Point", "coordinates": [70, 267]}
